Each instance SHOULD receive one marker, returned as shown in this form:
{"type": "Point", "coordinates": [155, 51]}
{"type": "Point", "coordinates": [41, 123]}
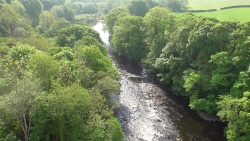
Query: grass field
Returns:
{"type": "Point", "coordinates": [237, 14]}
{"type": "Point", "coordinates": [214, 4]}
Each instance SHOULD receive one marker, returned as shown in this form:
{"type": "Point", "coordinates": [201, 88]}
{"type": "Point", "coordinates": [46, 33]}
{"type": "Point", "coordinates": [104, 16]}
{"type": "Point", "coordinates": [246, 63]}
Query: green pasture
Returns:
{"type": "Point", "coordinates": [214, 4]}
{"type": "Point", "coordinates": [237, 14]}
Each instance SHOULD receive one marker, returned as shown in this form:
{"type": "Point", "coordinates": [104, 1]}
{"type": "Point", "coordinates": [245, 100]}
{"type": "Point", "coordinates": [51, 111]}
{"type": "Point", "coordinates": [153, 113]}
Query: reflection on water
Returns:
{"type": "Point", "coordinates": [148, 113]}
{"type": "Point", "coordinates": [103, 33]}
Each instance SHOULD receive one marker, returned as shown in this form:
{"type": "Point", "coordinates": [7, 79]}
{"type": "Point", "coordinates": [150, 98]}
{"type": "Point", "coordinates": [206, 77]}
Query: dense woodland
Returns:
{"type": "Point", "coordinates": [56, 79]}
{"type": "Point", "coordinates": [202, 59]}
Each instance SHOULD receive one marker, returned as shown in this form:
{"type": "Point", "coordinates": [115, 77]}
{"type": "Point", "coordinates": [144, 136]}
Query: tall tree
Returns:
{"type": "Point", "coordinates": [46, 20]}
{"type": "Point", "coordinates": [18, 103]}
{"type": "Point", "coordinates": [34, 8]}
{"type": "Point", "coordinates": [138, 8]}
{"type": "Point", "coordinates": [157, 21]}
{"type": "Point", "coordinates": [128, 38]}
{"type": "Point", "coordinates": [174, 5]}
{"type": "Point", "coordinates": [113, 16]}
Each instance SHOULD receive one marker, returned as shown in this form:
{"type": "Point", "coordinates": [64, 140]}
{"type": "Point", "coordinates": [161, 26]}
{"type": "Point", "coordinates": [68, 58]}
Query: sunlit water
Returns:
{"type": "Point", "coordinates": [148, 113]}
{"type": "Point", "coordinates": [103, 33]}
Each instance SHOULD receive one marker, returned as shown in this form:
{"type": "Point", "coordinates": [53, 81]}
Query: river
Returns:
{"type": "Point", "coordinates": [148, 113]}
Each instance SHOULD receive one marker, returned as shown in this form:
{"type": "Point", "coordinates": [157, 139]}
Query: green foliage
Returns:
{"type": "Point", "coordinates": [5, 134]}
{"type": "Point", "coordinates": [68, 72]}
{"type": "Point", "coordinates": [70, 35]}
{"type": "Point", "coordinates": [116, 133]}
{"type": "Point", "coordinates": [68, 12]}
{"type": "Point", "coordinates": [34, 8]}
{"type": "Point", "coordinates": [222, 75]}
{"type": "Point", "coordinates": [45, 68]}
{"type": "Point", "coordinates": [63, 11]}
{"type": "Point", "coordinates": [156, 21]}
{"type": "Point", "coordinates": [64, 53]}
{"type": "Point", "coordinates": [191, 80]}
{"type": "Point", "coordinates": [138, 8]}
{"type": "Point", "coordinates": [174, 5]}
{"type": "Point", "coordinates": [13, 20]}
{"type": "Point", "coordinates": [51, 93]}
{"type": "Point", "coordinates": [47, 4]}
{"type": "Point", "coordinates": [39, 42]}
{"type": "Point", "coordinates": [57, 26]}
{"type": "Point", "coordinates": [241, 85]}
{"type": "Point", "coordinates": [108, 86]}
{"type": "Point", "coordinates": [18, 59]}
{"type": "Point", "coordinates": [95, 59]}
{"type": "Point", "coordinates": [72, 113]}
{"type": "Point", "coordinates": [237, 113]}
{"type": "Point", "coordinates": [78, 7]}
{"type": "Point", "coordinates": [188, 50]}
{"type": "Point", "coordinates": [60, 114]}
{"type": "Point", "coordinates": [90, 41]}
{"type": "Point", "coordinates": [90, 8]}
{"type": "Point", "coordinates": [202, 59]}
{"type": "Point", "coordinates": [17, 104]}
{"type": "Point", "coordinates": [113, 16]}
{"type": "Point", "coordinates": [128, 38]}
{"type": "Point", "coordinates": [46, 20]}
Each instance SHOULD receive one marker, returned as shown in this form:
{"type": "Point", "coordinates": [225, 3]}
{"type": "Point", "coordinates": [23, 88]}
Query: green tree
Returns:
{"type": "Point", "coordinates": [18, 103]}
{"type": "Point", "coordinates": [237, 113]}
{"type": "Point", "coordinates": [17, 61]}
{"type": "Point", "coordinates": [47, 4]}
{"type": "Point", "coordinates": [68, 12]}
{"type": "Point", "coordinates": [157, 21]}
{"type": "Point", "coordinates": [95, 59]}
{"type": "Point", "coordinates": [90, 8]}
{"type": "Point", "coordinates": [12, 18]}
{"type": "Point", "coordinates": [174, 5]}
{"type": "Point", "coordinates": [62, 114]}
{"type": "Point", "coordinates": [64, 11]}
{"type": "Point", "coordinates": [78, 7]}
{"type": "Point", "coordinates": [57, 11]}
{"type": "Point", "coordinates": [70, 35]}
{"type": "Point", "coordinates": [128, 38]}
{"type": "Point", "coordinates": [34, 8]}
{"type": "Point", "coordinates": [138, 8]}
{"type": "Point", "coordinates": [57, 26]}
{"type": "Point", "coordinates": [39, 42]}
{"type": "Point", "coordinates": [113, 16]}
{"type": "Point", "coordinates": [46, 20]}
{"type": "Point", "coordinates": [45, 68]}
{"type": "Point", "coordinates": [108, 86]}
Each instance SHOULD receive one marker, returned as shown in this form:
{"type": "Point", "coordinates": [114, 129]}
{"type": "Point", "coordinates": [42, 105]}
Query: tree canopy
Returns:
{"type": "Point", "coordinates": [202, 59]}
{"type": "Point", "coordinates": [56, 78]}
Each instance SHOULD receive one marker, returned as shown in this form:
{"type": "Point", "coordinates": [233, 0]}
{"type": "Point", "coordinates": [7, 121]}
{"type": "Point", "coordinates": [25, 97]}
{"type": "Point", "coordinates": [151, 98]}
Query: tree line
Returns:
{"type": "Point", "coordinates": [56, 78]}
{"type": "Point", "coordinates": [201, 59]}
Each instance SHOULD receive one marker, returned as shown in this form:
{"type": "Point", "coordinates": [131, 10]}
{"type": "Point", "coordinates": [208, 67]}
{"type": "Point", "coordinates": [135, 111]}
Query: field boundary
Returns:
{"type": "Point", "coordinates": [235, 6]}
{"type": "Point", "coordinates": [213, 10]}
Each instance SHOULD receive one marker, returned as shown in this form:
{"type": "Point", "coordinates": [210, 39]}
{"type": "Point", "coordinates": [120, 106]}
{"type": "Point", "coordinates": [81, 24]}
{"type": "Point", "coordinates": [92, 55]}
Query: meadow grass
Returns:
{"type": "Point", "coordinates": [237, 14]}
{"type": "Point", "coordinates": [214, 4]}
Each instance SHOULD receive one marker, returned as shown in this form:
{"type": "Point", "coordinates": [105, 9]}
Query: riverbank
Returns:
{"type": "Point", "coordinates": [147, 112]}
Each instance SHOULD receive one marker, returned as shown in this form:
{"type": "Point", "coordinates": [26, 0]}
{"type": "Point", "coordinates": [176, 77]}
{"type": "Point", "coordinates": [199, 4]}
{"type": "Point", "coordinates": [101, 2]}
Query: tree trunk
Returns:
{"type": "Point", "coordinates": [25, 128]}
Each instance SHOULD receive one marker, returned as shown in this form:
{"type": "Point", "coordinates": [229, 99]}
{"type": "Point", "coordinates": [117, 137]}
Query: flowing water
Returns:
{"type": "Point", "coordinates": [148, 113]}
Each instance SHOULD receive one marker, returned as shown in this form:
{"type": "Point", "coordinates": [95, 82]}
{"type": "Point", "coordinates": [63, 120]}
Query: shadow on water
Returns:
{"type": "Point", "coordinates": [190, 126]}
{"type": "Point", "coordinates": [125, 64]}
{"type": "Point", "coordinates": [149, 112]}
